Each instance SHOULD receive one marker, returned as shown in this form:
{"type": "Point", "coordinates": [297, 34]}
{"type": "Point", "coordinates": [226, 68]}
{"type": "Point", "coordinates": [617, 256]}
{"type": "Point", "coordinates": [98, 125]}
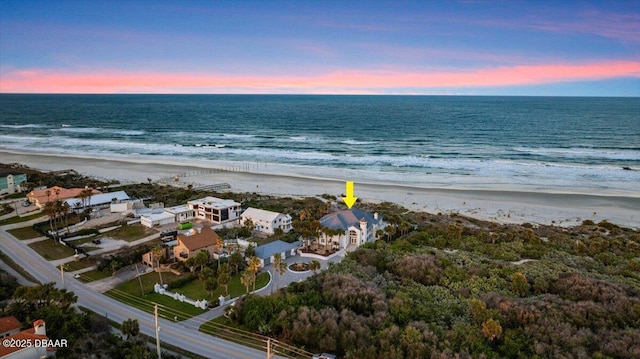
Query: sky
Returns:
{"type": "Point", "coordinates": [548, 48]}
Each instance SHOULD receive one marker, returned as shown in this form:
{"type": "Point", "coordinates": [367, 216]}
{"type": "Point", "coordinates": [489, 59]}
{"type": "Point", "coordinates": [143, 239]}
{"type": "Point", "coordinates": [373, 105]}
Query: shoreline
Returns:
{"type": "Point", "coordinates": [508, 205]}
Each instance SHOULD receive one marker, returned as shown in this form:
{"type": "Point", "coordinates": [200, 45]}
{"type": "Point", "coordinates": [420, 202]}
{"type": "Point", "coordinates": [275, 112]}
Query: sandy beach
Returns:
{"type": "Point", "coordinates": [506, 206]}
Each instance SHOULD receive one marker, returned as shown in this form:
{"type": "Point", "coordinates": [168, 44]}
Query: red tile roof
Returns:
{"type": "Point", "coordinates": [28, 334]}
{"type": "Point", "coordinates": [8, 324]}
{"type": "Point", "coordinates": [200, 240]}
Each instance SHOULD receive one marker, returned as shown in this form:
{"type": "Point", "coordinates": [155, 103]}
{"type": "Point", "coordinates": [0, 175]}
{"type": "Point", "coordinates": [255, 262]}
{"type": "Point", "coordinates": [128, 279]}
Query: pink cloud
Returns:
{"type": "Point", "coordinates": [345, 81]}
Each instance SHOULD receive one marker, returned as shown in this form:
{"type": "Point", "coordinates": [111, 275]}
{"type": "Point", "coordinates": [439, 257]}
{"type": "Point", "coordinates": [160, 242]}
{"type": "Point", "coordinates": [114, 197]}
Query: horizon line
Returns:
{"type": "Point", "coordinates": [300, 94]}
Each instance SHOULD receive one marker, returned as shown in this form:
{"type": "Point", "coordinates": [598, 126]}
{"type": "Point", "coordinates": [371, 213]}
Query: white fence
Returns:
{"type": "Point", "coordinates": [202, 304]}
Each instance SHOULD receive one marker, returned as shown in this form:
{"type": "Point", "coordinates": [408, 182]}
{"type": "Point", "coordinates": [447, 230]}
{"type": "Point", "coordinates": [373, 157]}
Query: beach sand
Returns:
{"type": "Point", "coordinates": [504, 206]}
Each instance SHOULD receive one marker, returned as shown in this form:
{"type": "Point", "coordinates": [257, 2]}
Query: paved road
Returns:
{"type": "Point", "coordinates": [177, 334]}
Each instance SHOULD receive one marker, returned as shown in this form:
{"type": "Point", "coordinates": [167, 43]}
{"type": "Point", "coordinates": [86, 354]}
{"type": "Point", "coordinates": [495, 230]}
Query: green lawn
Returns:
{"type": "Point", "coordinates": [82, 263]}
{"type": "Point", "coordinates": [93, 275]}
{"type": "Point", "coordinates": [195, 289]}
{"type": "Point", "coordinates": [130, 293]}
{"type": "Point", "coordinates": [24, 233]}
{"type": "Point", "coordinates": [51, 250]}
{"type": "Point", "coordinates": [129, 233]}
{"type": "Point", "coordinates": [13, 220]}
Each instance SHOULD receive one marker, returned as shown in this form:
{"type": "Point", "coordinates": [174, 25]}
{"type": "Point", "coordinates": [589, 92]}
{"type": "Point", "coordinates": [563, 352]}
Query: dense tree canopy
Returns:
{"type": "Point", "coordinates": [456, 287]}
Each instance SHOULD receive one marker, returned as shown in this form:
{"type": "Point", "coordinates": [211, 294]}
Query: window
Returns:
{"type": "Point", "coordinates": [353, 237]}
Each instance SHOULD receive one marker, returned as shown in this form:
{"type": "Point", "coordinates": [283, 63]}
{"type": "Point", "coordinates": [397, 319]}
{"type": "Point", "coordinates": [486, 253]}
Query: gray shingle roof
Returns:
{"type": "Point", "coordinates": [269, 249]}
{"type": "Point", "coordinates": [347, 218]}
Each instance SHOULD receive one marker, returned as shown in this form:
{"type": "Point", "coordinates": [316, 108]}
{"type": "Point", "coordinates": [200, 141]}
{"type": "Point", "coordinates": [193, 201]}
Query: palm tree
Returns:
{"type": "Point", "coordinates": [210, 284]}
{"type": "Point", "coordinates": [223, 279]}
{"type": "Point", "coordinates": [156, 252]}
{"type": "Point", "coordinates": [205, 274]}
{"type": "Point", "coordinates": [130, 328]}
{"type": "Point", "coordinates": [246, 279]}
{"type": "Point", "coordinates": [390, 230]}
{"type": "Point", "coordinates": [50, 210]}
{"type": "Point", "coordinates": [315, 266]}
{"type": "Point", "coordinates": [254, 267]}
{"type": "Point", "coordinates": [280, 266]}
{"type": "Point", "coordinates": [201, 259]}
{"type": "Point", "coordinates": [65, 210]}
{"type": "Point", "coordinates": [314, 229]}
{"type": "Point", "coordinates": [248, 223]}
{"type": "Point", "coordinates": [219, 244]}
{"type": "Point", "coordinates": [235, 260]}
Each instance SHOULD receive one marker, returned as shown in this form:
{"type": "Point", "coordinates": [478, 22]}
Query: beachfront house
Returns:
{"type": "Point", "coordinates": [162, 216]}
{"type": "Point", "coordinates": [266, 252]}
{"type": "Point", "coordinates": [40, 197]}
{"type": "Point", "coordinates": [216, 210]}
{"type": "Point", "coordinates": [98, 200]}
{"type": "Point", "coordinates": [181, 213]}
{"type": "Point", "coordinates": [266, 221]}
{"type": "Point", "coordinates": [353, 226]}
{"type": "Point", "coordinates": [194, 241]}
{"type": "Point", "coordinates": [11, 181]}
{"type": "Point", "coordinates": [157, 218]}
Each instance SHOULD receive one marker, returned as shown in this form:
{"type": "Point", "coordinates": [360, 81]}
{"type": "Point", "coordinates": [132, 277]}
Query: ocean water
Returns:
{"type": "Point", "coordinates": [526, 143]}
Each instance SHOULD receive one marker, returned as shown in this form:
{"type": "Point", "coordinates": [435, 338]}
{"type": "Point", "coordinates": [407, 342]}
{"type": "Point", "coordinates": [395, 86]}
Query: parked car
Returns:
{"type": "Point", "coordinates": [76, 276]}
{"type": "Point", "coordinates": [26, 203]}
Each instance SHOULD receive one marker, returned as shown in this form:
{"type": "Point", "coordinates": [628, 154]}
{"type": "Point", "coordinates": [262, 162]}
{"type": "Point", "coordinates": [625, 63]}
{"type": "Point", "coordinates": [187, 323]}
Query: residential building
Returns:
{"type": "Point", "coordinates": [181, 213]}
{"type": "Point", "coordinates": [9, 326]}
{"type": "Point", "coordinates": [152, 258]}
{"type": "Point", "coordinates": [126, 206]}
{"type": "Point", "coordinates": [162, 216]}
{"type": "Point", "coordinates": [35, 336]}
{"type": "Point", "coordinates": [11, 181]}
{"type": "Point", "coordinates": [266, 221]}
{"type": "Point", "coordinates": [216, 210]}
{"type": "Point", "coordinates": [41, 196]}
{"type": "Point", "coordinates": [194, 241]}
{"type": "Point", "coordinates": [266, 251]}
{"type": "Point", "coordinates": [355, 225]}
{"type": "Point", "coordinates": [157, 219]}
{"type": "Point", "coordinates": [98, 200]}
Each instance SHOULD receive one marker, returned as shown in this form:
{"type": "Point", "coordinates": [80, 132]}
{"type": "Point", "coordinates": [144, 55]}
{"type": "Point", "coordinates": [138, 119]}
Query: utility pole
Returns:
{"type": "Point", "coordinates": [139, 280]}
{"type": "Point", "coordinates": [155, 314]}
{"type": "Point", "coordinates": [62, 274]}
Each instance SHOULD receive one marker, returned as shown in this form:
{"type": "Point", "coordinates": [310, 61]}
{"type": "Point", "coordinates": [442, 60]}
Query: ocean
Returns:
{"type": "Point", "coordinates": [560, 144]}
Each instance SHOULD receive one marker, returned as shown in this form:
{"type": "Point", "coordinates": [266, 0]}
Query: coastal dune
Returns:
{"type": "Point", "coordinates": [543, 206]}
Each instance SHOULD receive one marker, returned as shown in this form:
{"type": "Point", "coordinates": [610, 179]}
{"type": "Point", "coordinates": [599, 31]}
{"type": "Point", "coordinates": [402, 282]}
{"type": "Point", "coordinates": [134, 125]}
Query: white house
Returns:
{"type": "Point", "coordinates": [98, 200]}
{"type": "Point", "coordinates": [216, 210]}
{"type": "Point", "coordinates": [125, 206]}
{"type": "Point", "coordinates": [180, 213]}
{"type": "Point", "coordinates": [157, 219]}
{"type": "Point", "coordinates": [359, 227]}
{"type": "Point", "coordinates": [267, 221]}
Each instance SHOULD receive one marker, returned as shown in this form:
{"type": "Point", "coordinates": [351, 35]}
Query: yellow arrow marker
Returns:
{"type": "Point", "coordinates": [350, 199]}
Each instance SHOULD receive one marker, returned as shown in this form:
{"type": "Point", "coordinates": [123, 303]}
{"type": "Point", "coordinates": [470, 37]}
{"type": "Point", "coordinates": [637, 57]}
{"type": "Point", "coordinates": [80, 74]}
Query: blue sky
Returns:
{"type": "Point", "coordinates": [387, 47]}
